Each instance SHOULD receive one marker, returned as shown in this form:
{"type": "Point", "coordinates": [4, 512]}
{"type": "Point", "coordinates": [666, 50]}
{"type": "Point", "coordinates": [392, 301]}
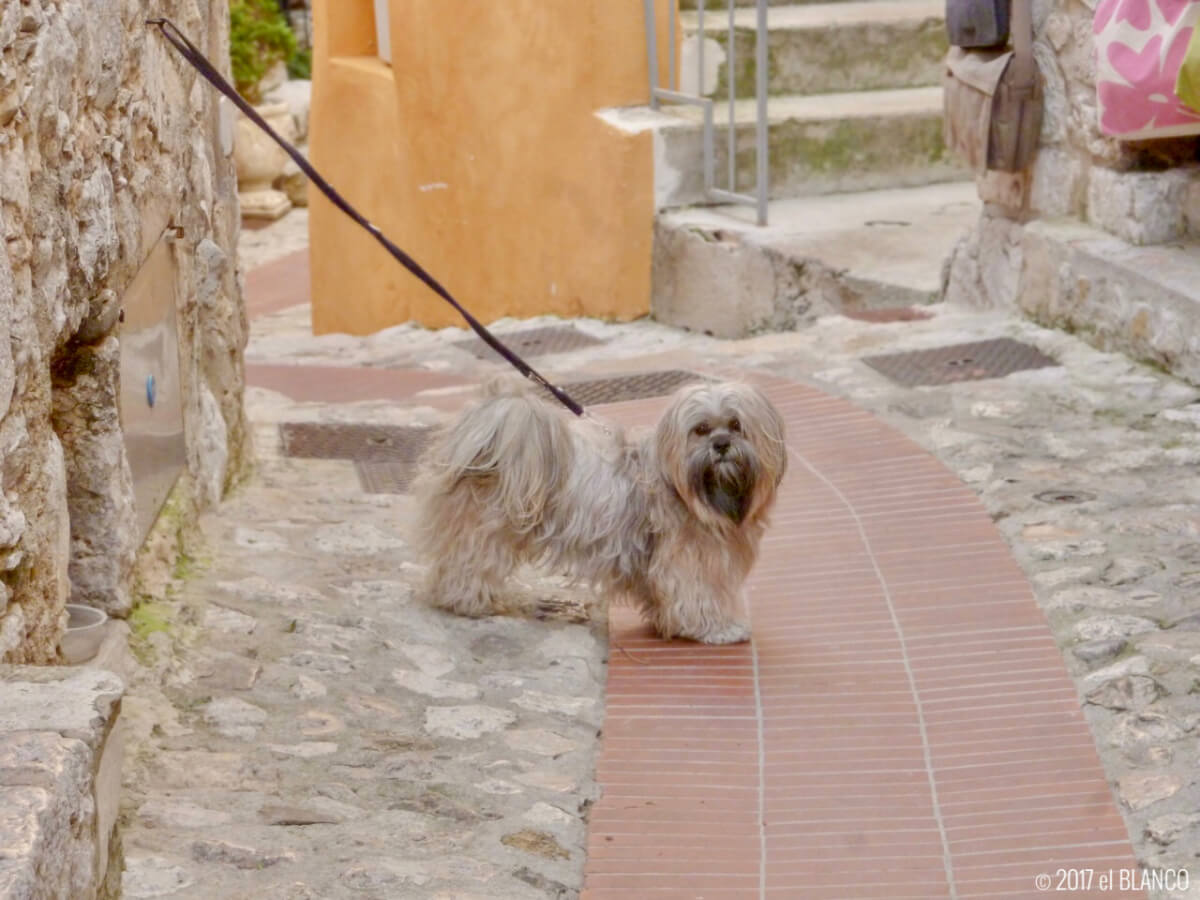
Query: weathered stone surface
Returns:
{"type": "Point", "coordinates": [1099, 650]}
{"type": "Point", "coordinates": [466, 722]}
{"type": "Point", "coordinates": [237, 855]}
{"type": "Point", "coordinates": [229, 672]}
{"type": "Point", "coordinates": [100, 485]}
{"type": "Point", "coordinates": [1127, 692]}
{"type": "Point", "coordinates": [73, 702]}
{"type": "Point", "coordinates": [537, 842]}
{"type": "Point", "coordinates": [1138, 207]}
{"type": "Point", "coordinates": [48, 855]}
{"type": "Point", "coordinates": [1168, 829]}
{"type": "Point", "coordinates": [298, 815]}
{"type": "Point", "coordinates": [540, 742]}
{"type": "Point", "coordinates": [429, 686]}
{"type": "Point", "coordinates": [1102, 627]}
{"type": "Point", "coordinates": [60, 747]}
{"type": "Point", "coordinates": [221, 618]}
{"type": "Point", "coordinates": [153, 876]}
{"type": "Point", "coordinates": [1141, 789]}
{"type": "Point", "coordinates": [107, 138]}
{"type": "Point", "coordinates": [157, 813]}
{"type": "Point", "coordinates": [234, 718]}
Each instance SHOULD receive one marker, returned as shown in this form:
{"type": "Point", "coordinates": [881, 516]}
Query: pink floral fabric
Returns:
{"type": "Point", "coordinates": [1140, 45]}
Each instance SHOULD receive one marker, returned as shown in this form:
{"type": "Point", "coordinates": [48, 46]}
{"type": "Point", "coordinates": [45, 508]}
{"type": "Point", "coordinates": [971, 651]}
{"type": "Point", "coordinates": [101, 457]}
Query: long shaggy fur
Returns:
{"type": "Point", "coordinates": [671, 522]}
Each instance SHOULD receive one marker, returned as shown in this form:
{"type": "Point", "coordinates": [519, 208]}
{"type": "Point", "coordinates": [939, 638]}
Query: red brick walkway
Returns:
{"type": "Point", "coordinates": [902, 725]}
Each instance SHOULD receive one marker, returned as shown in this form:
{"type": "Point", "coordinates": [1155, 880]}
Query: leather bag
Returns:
{"type": "Point", "coordinates": [993, 100]}
{"type": "Point", "coordinates": [977, 23]}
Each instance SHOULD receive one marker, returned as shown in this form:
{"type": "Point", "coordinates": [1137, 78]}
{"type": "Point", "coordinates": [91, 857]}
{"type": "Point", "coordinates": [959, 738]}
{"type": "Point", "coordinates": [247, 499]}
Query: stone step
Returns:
{"type": "Point", "coordinates": [1137, 300]}
{"type": "Point", "coordinates": [821, 48]}
{"type": "Point", "coordinates": [818, 145]}
{"type": "Point", "coordinates": [715, 271]}
{"type": "Point", "coordinates": [719, 7]}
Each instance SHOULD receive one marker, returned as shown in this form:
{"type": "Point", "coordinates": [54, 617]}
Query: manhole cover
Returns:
{"type": "Point", "coordinates": [959, 362]}
{"type": "Point", "coordinates": [629, 387]}
{"type": "Point", "coordinates": [1064, 496]}
{"type": "Point", "coordinates": [532, 342]}
{"type": "Point", "coordinates": [361, 443]}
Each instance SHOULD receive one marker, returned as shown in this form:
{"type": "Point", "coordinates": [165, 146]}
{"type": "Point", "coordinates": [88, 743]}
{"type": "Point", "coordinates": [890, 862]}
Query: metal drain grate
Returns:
{"type": "Point", "coordinates": [629, 387]}
{"type": "Point", "coordinates": [361, 443]}
{"type": "Point", "coordinates": [379, 477]}
{"type": "Point", "coordinates": [532, 342]}
{"type": "Point", "coordinates": [959, 362]}
{"type": "Point", "coordinates": [384, 456]}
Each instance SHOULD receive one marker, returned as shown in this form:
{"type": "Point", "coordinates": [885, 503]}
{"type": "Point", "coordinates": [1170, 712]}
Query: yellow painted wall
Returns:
{"type": "Point", "coordinates": [479, 153]}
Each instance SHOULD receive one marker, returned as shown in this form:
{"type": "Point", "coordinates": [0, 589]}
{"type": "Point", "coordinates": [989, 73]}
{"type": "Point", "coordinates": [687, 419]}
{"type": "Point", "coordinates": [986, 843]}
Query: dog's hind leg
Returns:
{"type": "Point", "coordinates": [470, 558]}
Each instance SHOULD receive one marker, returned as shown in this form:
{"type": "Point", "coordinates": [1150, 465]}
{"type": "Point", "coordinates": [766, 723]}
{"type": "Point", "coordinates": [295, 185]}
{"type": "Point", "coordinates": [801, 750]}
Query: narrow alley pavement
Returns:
{"type": "Point", "coordinates": [975, 657]}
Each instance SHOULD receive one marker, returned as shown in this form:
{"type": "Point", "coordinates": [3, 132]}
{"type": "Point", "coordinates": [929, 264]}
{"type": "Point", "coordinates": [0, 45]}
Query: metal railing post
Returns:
{"type": "Point", "coordinates": [652, 50]}
{"type": "Point", "coordinates": [673, 24]}
{"type": "Point", "coordinates": [671, 94]}
{"type": "Point", "coordinates": [761, 161]}
{"type": "Point", "coordinates": [731, 73]}
{"type": "Point", "coordinates": [708, 118]}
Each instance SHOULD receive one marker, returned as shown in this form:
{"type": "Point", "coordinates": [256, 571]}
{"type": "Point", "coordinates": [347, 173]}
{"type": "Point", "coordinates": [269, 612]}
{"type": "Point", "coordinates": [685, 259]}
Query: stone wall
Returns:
{"type": "Point", "coordinates": [105, 138]}
{"type": "Point", "coordinates": [1079, 171]}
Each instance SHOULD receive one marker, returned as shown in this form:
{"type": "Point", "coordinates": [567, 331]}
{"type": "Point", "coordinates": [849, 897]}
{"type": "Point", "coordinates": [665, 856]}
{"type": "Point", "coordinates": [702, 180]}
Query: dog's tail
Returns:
{"type": "Point", "coordinates": [515, 442]}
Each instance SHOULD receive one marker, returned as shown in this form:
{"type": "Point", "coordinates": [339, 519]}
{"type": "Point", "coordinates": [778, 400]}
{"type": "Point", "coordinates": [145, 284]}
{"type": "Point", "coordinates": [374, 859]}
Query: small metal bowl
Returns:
{"type": "Point", "coordinates": [85, 632]}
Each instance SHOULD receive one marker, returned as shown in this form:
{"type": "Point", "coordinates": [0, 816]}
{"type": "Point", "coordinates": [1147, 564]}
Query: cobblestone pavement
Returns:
{"type": "Point", "coordinates": [303, 729]}
{"type": "Point", "coordinates": [1087, 467]}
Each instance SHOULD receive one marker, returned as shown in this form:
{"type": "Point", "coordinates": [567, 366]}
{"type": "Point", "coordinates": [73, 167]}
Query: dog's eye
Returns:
{"type": "Point", "coordinates": [702, 429]}
{"type": "Point", "coordinates": [735, 425]}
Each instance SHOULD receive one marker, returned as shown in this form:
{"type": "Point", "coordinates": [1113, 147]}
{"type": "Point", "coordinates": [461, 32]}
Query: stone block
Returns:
{"type": "Point", "coordinates": [1139, 207]}
{"type": "Point", "coordinates": [61, 749]}
{"type": "Point", "coordinates": [703, 283]}
{"type": "Point", "coordinates": [1058, 183]}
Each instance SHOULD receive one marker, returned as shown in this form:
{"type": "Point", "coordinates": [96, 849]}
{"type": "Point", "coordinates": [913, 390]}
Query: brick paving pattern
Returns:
{"type": "Point", "coordinates": [901, 726]}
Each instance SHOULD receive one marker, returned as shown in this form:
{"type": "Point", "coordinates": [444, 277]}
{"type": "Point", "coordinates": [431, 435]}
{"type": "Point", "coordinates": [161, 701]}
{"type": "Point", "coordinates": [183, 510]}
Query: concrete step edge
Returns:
{"type": "Point", "coordinates": [844, 252]}
{"type": "Point", "coordinates": [894, 102]}
{"type": "Point", "coordinates": [817, 16]}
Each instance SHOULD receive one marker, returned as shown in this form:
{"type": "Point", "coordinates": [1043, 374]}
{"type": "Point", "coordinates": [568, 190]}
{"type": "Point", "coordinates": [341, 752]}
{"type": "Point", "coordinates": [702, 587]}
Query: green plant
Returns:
{"type": "Point", "coordinates": [300, 63]}
{"type": "Point", "coordinates": [259, 37]}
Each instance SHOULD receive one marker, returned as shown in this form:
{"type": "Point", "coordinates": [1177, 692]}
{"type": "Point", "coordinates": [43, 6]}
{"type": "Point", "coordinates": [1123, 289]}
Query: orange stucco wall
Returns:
{"type": "Point", "coordinates": [478, 151]}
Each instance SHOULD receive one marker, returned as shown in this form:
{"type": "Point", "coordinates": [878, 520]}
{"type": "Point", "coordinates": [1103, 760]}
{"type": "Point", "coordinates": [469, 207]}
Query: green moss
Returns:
{"type": "Point", "coordinates": [187, 565]}
{"type": "Point", "coordinates": [148, 618]}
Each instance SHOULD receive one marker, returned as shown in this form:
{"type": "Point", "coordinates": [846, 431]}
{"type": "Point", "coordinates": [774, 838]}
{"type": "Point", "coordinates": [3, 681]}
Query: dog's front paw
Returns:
{"type": "Point", "coordinates": [726, 633]}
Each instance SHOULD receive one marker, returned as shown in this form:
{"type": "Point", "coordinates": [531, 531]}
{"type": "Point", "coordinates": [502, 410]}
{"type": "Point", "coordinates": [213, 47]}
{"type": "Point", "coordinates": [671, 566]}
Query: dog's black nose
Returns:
{"type": "Point", "coordinates": [721, 444]}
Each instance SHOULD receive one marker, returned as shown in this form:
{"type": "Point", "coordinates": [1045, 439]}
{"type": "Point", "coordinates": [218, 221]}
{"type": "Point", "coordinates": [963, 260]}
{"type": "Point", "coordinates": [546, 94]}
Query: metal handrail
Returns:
{"type": "Point", "coordinates": [672, 94]}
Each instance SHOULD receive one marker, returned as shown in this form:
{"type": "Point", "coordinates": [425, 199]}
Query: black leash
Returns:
{"type": "Point", "coordinates": [201, 64]}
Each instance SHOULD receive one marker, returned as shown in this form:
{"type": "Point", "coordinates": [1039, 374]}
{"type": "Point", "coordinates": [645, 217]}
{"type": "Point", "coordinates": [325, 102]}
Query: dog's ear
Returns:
{"type": "Point", "coordinates": [670, 438]}
{"type": "Point", "coordinates": [764, 426]}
